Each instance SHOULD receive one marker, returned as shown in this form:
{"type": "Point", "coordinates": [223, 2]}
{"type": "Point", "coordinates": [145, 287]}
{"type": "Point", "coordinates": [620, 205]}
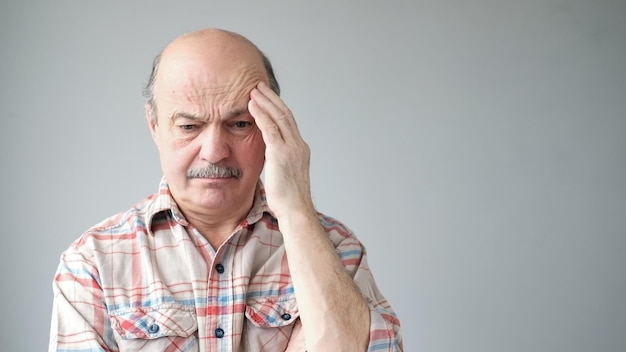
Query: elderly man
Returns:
{"type": "Point", "coordinates": [217, 260]}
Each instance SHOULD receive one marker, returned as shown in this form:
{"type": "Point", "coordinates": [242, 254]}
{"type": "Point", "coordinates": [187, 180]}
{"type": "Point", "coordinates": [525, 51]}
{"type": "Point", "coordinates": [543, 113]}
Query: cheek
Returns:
{"type": "Point", "coordinates": [177, 155]}
{"type": "Point", "coordinates": [253, 148]}
{"type": "Point", "coordinates": [257, 143]}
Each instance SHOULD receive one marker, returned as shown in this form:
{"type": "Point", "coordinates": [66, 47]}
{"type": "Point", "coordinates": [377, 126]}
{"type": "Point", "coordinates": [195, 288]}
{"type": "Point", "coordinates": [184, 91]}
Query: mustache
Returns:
{"type": "Point", "coordinates": [214, 171]}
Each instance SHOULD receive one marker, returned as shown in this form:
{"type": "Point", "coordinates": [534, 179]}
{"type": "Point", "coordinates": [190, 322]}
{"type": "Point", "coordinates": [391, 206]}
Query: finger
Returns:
{"type": "Point", "coordinates": [275, 109]}
{"type": "Point", "coordinates": [269, 129]}
{"type": "Point", "coordinates": [274, 106]}
{"type": "Point", "coordinates": [287, 114]}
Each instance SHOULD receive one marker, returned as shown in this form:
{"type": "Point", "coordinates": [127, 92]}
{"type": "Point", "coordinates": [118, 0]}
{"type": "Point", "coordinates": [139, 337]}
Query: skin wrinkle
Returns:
{"type": "Point", "coordinates": [216, 101]}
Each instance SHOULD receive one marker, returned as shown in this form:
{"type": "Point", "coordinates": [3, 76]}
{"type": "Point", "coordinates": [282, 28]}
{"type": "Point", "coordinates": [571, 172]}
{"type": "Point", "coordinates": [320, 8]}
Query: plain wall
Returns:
{"type": "Point", "coordinates": [477, 148]}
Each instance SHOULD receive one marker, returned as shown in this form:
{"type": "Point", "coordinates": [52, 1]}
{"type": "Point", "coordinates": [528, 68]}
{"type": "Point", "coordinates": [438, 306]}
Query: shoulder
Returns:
{"type": "Point", "coordinates": [338, 232]}
{"type": "Point", "coordinates": [332, 224]}
{"type": "Point", "coordinates": [118, 228]}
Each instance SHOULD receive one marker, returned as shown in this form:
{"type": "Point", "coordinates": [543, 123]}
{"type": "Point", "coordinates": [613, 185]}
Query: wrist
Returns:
{"type": "Point", "coordinates": [294, 219]}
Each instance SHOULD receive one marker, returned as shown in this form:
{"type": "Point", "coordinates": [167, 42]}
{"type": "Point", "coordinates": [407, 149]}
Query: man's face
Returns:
{"type": "Point", "coordinates": [203, 120]}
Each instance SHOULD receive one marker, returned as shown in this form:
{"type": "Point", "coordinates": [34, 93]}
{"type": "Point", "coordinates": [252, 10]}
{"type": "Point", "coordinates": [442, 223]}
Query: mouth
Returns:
{"type": "Point", "coordinates": [212, 178]}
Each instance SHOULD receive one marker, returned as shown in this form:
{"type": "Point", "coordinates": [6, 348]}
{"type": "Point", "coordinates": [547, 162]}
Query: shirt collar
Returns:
{"type": "Point", "coordinates": [164, 203]}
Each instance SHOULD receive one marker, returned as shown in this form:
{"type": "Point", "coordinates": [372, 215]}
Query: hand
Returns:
{"type": "Point", "coordinates": [287, 156]}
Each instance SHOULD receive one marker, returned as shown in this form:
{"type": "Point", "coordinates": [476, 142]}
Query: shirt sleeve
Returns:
{"type": "Point", "coordinates": [79, 315]}
{"type": "Point", "coordinates": [385, 332]}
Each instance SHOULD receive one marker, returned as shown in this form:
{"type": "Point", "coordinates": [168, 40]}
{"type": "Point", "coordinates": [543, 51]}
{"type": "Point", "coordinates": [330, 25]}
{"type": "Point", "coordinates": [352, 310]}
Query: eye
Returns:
{"type": "Point", "coordinates": [242, 124]}
{"type": "Point", "coordinates": [187, 127]}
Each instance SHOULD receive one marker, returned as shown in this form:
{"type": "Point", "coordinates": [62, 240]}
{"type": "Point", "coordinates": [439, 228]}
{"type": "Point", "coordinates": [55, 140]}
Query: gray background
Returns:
{"type": "Point", "coordinates": [476, 147]}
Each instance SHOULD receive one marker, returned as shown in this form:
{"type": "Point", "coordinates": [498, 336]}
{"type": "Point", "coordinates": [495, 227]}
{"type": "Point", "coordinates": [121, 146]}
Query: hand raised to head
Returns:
{"type": "Point", "coordinates": [287, 155]}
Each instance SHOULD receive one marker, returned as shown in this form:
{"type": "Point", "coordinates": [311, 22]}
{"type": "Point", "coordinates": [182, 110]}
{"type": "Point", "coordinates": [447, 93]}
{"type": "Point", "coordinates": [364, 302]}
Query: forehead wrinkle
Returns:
{"type": "Point", "coordinates": [207, 92]}
{"type": "Point", "coordinates": [230, 98]}
{"type": "Point", "coordinates": [203, 109]}
{"type": "Point", "coordinates": [231, 88]}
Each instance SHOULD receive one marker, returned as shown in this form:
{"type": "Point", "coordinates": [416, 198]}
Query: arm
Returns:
{"type": "Point", "coordinates": [79, 317]}
{"type": "Point", "coordinates": [333, 311]}
{"type": "Point", "coordinates": [385, 334]}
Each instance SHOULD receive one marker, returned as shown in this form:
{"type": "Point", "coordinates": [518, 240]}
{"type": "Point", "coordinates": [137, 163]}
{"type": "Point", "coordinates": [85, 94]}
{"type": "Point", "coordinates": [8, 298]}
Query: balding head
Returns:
{"type": "Point", "coordinates": [215, 48]}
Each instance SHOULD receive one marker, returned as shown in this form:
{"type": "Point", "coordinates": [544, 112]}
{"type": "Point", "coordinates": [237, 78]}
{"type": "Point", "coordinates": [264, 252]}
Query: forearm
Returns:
{"type": "Point", "coordinates": [334, 314]}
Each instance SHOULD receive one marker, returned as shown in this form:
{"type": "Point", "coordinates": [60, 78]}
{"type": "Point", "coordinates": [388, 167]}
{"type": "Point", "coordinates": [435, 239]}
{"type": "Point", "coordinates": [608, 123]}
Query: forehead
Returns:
{"type": "Point", "coordinates": [208, 75]}
{"type": "Point", "coordinates": [210, 88]}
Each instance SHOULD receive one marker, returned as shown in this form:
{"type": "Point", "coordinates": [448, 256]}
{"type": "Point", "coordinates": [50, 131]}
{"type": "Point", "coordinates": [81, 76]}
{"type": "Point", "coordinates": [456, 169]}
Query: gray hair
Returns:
{"type": "Point", "coordinates": [214, 170]}
{"type": "Point", "coordinates": [148, 89]}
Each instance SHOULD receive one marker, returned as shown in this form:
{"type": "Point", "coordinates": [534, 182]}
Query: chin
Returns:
{"type": "Point", "coordinates": [212, 199]}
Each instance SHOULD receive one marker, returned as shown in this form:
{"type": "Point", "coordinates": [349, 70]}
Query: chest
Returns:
{"type": "Point", "coordinates": [175, 290]}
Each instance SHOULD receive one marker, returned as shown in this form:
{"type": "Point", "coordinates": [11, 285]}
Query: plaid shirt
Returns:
{"type": "Point", "coordinates": [147, 280]}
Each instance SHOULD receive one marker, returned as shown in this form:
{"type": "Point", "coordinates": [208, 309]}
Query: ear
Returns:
{"type": "Point", "coordinates": [151, 119]}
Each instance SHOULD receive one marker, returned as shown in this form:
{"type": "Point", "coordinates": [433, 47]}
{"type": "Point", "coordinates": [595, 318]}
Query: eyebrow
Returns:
{"type": "Point", "coordinates": [185, 115]}
{"type": "Point", "coordinates": [237, 112]}
{"type": "Point", "coordinates": [229, 115]}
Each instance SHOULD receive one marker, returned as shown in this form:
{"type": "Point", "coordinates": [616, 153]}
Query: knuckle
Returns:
{"type": "Point", "coordinates": [285, 117]}
{"type": "Point", "coordinates": [273, 130]}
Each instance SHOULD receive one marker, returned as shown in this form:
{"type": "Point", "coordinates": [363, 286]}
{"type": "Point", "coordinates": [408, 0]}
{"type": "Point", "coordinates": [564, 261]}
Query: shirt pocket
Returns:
{"type": "Point", "coordinates": [272, 312]}
{"type": "Point", "coordinates": [156, 328]}
{"type": "Point", "coordinates": [269, 323]}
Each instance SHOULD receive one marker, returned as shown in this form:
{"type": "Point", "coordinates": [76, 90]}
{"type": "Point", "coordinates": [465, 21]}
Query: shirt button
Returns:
{"type": "Point", "coordinates": [219, 333]}
{"type": "Point", "coordinates": [219, 268]}
{"type": "Point", "coordinates": [153, 329]}
{"type": "Point", "coordinates": [286, 316]}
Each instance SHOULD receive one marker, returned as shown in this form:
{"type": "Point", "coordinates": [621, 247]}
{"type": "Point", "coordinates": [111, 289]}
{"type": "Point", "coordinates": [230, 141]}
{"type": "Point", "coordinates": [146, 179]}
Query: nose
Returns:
{"type": "Point", "coordinates": [215, 145]}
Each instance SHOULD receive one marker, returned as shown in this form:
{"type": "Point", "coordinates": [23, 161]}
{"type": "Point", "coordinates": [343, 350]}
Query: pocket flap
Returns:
{"type": "Point", "coordinates": [271, 312]}
{"type": "Point", "coordinates": [154, 322]}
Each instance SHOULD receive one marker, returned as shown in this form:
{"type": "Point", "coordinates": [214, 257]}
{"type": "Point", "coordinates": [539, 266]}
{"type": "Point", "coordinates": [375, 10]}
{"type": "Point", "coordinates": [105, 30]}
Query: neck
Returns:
{"type": "Point", "coordinates": [217, 225]}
